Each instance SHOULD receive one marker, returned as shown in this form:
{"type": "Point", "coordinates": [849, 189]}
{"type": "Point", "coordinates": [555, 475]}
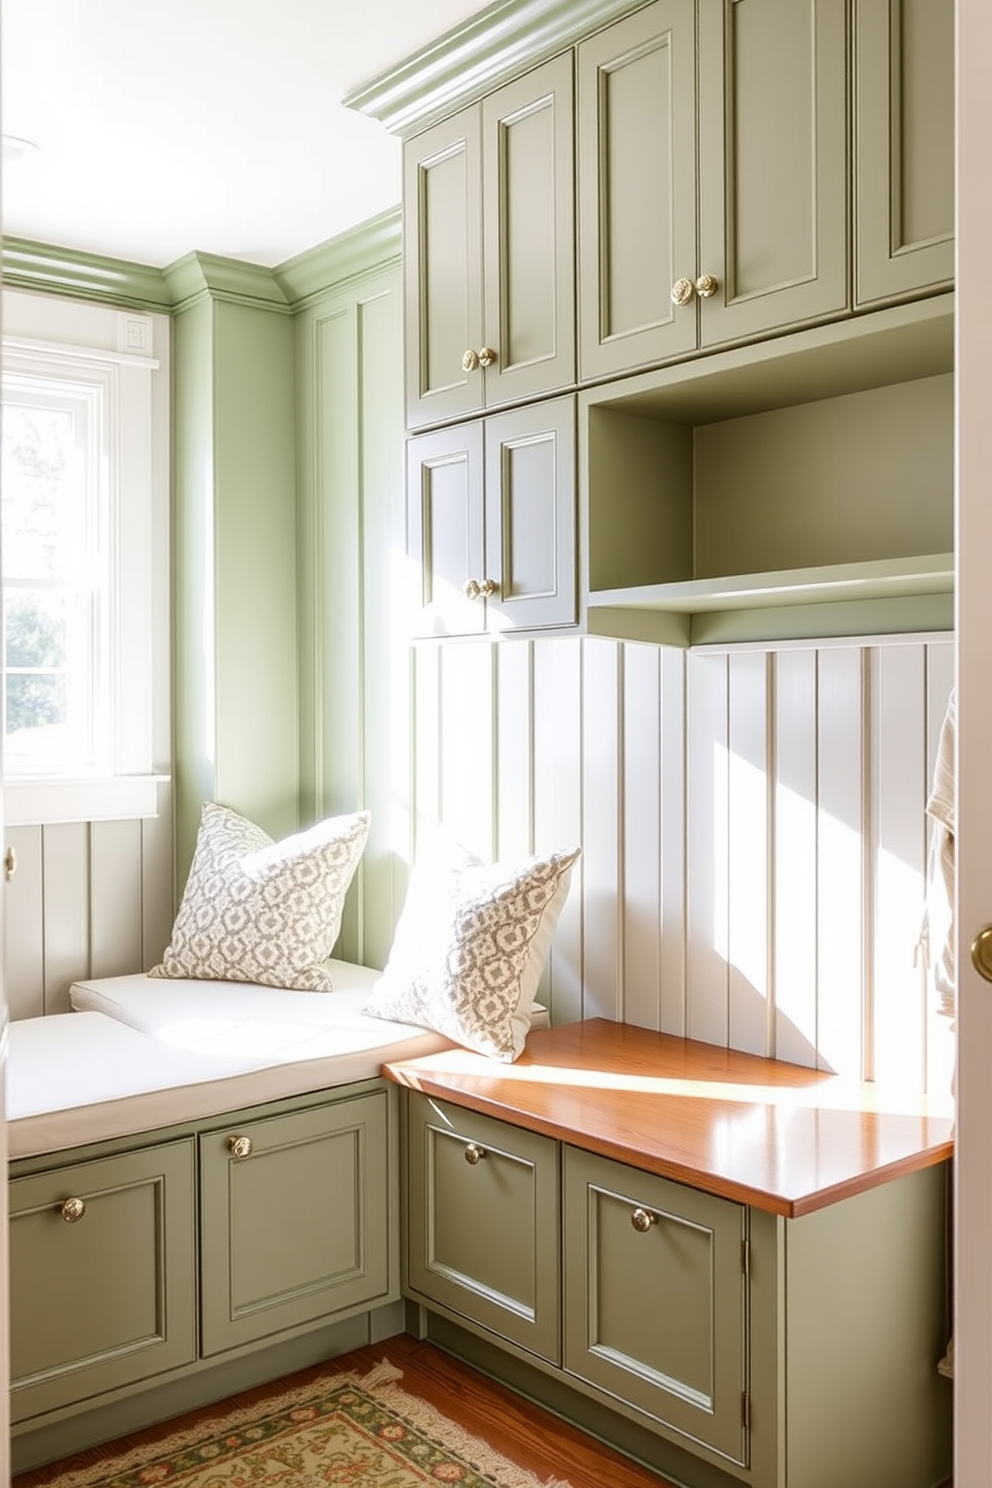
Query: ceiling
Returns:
{"type": "Point", "coordinates": [166, 126]}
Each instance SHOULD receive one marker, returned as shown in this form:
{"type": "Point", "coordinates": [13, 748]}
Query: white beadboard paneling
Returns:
{"type": "Point", "coordinates": [514, 751]}
{"type": "Point", "coordinates": [426, 687]}
{"type": "Point", "coordinates": [115, 898]}
{"type": "Point", "coordinates": [24, 926]}
{"type": "Point", "coordinates": [642, 836]}
{"type": "Point", "coordinates": [940, 1029]}
{"type": "Point", "coordinates": [897, 786]}
{"type": "Point", "coordinates": [707, 845]}
{"type": "Point", "coordinates": [749, 989]}
{"type": "Point", "coordinates": [673, 848]}
{"type": "Point", "coordinates": [840, 860]}
{"type": "Point", "coordinates": [467, 756]}
{"type": "Point", "coordinates": [67, 884]}
{"type": "Point", "coordinates": [558, 808]}
{"type": "Point", "coordinates": [793, 884]}
{"type": "Point", "coordinates": [602, 881]}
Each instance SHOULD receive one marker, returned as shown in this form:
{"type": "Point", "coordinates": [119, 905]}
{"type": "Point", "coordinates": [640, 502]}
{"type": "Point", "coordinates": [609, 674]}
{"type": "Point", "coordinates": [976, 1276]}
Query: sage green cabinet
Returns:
{"type": "Point", "coordinates": [491, 522]}
{"type": "Point", "coordinates": [904, 124]}
{"type": "Point", "coordinates": [749, 142]}
{"type": "Point", "coordinates": [102, 1276]}
{"type": "Point", "coordinates": [488, 250]}
{"type": "Point", "coordinates": [482, 1234]}
{"type": "Point", "coordinates": [655, 1299]}
{"type": "Point", "coordinates": [294, 1219]}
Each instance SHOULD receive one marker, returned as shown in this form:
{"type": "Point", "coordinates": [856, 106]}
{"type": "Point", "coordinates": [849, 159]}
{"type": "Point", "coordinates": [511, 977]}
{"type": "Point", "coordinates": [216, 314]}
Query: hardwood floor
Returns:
{"type": "Point", "coordinates": [524, 1433]}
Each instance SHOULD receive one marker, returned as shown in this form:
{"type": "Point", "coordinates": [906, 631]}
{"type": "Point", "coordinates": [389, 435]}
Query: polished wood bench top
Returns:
{"type": "Point", "coordinates": [778, 1136]}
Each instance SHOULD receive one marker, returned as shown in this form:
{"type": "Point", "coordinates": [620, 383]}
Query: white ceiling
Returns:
{"type": "Point", "coordinates": [165, 126]}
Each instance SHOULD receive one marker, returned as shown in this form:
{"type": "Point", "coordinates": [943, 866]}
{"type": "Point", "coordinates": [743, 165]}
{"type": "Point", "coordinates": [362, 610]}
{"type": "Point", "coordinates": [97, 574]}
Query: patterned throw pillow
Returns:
{"type": "Point", "coordinates": [255, 910]}
{"type": "Point", "coordinates": [470, 946]}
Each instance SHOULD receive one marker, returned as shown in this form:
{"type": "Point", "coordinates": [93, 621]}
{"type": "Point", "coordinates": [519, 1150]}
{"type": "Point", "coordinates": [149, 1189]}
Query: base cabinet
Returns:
{"type": "Point", "coordinates": [102, 1276]}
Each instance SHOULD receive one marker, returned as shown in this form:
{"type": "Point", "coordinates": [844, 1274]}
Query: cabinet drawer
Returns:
{"type": "Point", "coordinates": [483, 1226]}
{"type": "Point", "coordinates": [107, 1299]}
{"type": "Point", "coordinates": [297, 1228]}
{"type": "Point", "coordinates": [655, 1298]}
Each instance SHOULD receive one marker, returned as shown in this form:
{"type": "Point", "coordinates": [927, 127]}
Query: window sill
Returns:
{"type": "Point", "coordinates": [43, 802]}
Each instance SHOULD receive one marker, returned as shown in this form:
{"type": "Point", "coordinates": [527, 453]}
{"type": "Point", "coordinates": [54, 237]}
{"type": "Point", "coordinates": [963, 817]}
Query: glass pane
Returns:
{"type": "Point", "coordinates": [35, 629]}
{"type": "Point", "coordinates": [43, 486]}
{"type": "Point", "coordinates": [36, 718]}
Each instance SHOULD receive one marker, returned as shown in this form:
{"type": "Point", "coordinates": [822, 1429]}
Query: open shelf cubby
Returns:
{"type": "Point", "coordinates": [799, 487]}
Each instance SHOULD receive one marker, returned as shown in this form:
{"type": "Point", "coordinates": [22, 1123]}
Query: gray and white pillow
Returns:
{"type": "Point", "coordinates": [470, 946]}
{"type": "Point", "coordinates": [257, 910]}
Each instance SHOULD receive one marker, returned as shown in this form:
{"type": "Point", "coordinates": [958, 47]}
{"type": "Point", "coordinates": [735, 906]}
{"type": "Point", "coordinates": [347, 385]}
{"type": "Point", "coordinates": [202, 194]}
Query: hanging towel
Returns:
{"type": "Point", "coordinates": [937, 930]}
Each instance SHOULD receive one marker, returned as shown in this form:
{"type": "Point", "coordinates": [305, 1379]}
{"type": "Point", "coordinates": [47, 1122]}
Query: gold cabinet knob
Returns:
{"type": "Point", "coordinates": [487, 356]}
{"type": "Point", "coordinates": [470, 361]}
{"type": "Point", "coordinates": [240, 1147]}
{"type": "Point", "coordinates": [706, 285]}
{"type": "Point", "coordinates": [981, 953]}
{"type": "Point", "coordinates": [471, 589]}
{"type": "Point", "coordinates": [73, 1210]}
{"type": "Point", "coordinates": [642, 1220]}
{"type": "Point", "coordinates": [474, 1154]}
{"type": "Point", "coordinates": [682, 291]}
{"type": "Point", "coordinates": [487, 587]}
{"type": "Point", "coordinates": [10, 863]}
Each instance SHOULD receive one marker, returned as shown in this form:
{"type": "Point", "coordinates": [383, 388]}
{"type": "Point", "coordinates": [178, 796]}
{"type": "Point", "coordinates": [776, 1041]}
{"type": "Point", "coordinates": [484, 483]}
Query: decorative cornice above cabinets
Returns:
{"type": "Point", "coordinates": [473, 58]}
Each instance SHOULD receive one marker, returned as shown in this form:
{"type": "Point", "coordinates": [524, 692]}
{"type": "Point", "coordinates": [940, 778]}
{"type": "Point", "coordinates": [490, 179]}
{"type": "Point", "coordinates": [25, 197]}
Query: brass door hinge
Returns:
{"type": "Point", "coordinates": [746, 1257]}
{"type": "Point", "coordinates": [746, 1410]}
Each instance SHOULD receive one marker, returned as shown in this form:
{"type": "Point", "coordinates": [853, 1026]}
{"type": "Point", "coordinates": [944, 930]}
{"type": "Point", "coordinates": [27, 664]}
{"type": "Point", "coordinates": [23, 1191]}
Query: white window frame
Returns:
{"type": "Point", "coordinates": [125, 784]}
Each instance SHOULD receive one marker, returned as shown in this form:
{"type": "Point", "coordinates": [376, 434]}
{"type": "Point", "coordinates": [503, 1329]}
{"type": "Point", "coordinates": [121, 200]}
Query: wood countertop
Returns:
{"type": "Point", "coordinates": [777, 1136]}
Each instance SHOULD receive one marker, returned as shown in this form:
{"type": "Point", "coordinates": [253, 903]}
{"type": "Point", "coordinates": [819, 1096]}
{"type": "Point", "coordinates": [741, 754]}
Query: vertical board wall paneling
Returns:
{"type": "Point", "coordinates": [841, 941]}
{"type": "Point", "coordinates": [467, 751]}
{"type": "Point", "coordinates": [897, 784]}
{"type": "Point", "coordinates": [602, 877]}
{"type": "Point", "coordinates": [940, 1030]}
{"type": "Point", "coordinates": [68, 884]}
{"type": "Point", "coordinates": [558, 809]}
{"type": "Point", "coordinates": [749, 903]}
{"type": "Point", "coordinates": [24, 925]}
{"type": "Point", "coordinates": [157, 880]}
{"type": "Point", "coordinates": [793, 882]}
{"type": "Point", "coordinates": [115, 897]}
{"type": "Point", "coordinates": [673, 841]}
{"type": "Point", "coordinates": [707, 847]}
{"type": "Point", "coordinates": [425, 663]}
{"type": "Point", "coordinates": [643, 863]}
{"type": "Point", "coordinates": [515, 750]}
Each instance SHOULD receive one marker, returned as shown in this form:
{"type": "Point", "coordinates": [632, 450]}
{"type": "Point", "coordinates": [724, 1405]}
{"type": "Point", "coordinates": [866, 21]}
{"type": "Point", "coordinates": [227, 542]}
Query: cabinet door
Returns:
{"type": "Point", "coordinates": [483, 1227]}
{"type": "Point", "coordinates": [297, 1229]}
{"type": "Point", "coordinates": [530, 516]}
{"type": "Point", "coordinates": [529, 234]}
{"type": "Point", "coordinates": [636, 116]}
{"type": "Point", "coordinates": [904, 121]}
{"type": "Point", "coordinates": [446, 530]}
{"type": "Point", "coordinates": [108, 1298]}
{"type": "Point", "coordinates": [442, 268]}
{"type": "Point", "coordinates": [654, 1298]}
{"type": "Point", "coordinates": [773, 219]}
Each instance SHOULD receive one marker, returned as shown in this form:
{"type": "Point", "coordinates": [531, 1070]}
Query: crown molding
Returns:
{"type": "Point", "coordinates": [471, 59]}
{"type": "Point", "coordinates": [362, 250]}
{"type": "Point", "coordinates": [198, 276]}
{"type": "Point", "coordinates": [82, 276]}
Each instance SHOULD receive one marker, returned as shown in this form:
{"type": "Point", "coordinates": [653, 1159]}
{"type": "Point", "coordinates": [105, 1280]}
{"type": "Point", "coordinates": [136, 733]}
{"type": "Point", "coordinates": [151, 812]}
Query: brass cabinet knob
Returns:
{"type": "Point", "coordinates": [474, 1153]}
{"type": "Point", "coordinates": [470, 361]}
{"type": "Point", "coordinates": [240, 1147]}
{"type": "Point", "coordinates": [682, 291]}
{"type": "Point", "coordinates": [471, 589]}
{"type": "Point", "coordinates": [72, 1210]}
{"type": "Point", "coordinates": [488, 587]}
{"type": "Point", "coordinates": [981, 953]}
{"type": "Point", "coordinates": [706, 285]}
{"type": "Point", "coordinates": [642, 1220]}
{"type": "Point", "coordinates": [487, 356]}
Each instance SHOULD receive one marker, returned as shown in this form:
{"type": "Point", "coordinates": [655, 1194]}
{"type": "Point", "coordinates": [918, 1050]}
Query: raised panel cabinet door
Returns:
{"type": "Point", "coordinates": [442, 270]}
{"type": "Point", "coordinates": [294, 1227]}
{"type": "Point", "coordinates": [904, 148]}
{"type": "Point", "coordinates": [445, 531]}
{"type": "Point", "coordinates": [636, 151]}
{"type": "Point", "coordinates": [102, 1276]}
{"type": "Point", "coordinates": [655, 1299]}
{"type": "Point", "coordinates": [529, 234]}
{"type": "Point", "coordinates": [773, 193]}
{"type": "Point", "coordinates": [483, 1223]}
{"type": "Point", "coordinates": [530, 516]}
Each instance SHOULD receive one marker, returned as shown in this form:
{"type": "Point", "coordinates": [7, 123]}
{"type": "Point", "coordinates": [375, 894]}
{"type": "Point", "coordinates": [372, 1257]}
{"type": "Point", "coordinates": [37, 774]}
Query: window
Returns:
{"type": "Point", "coordinates": [77, 482]}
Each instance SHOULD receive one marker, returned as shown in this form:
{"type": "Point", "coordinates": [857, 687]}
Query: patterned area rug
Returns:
{"type": "Point", "coordinates": [338, 1431]}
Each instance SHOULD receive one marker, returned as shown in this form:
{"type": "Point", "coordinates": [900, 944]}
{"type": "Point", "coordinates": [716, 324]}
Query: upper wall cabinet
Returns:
{"type": "Point", "coordinates": [762, 86]}
{"type": "Point", "coordinates": [904, 155]}
{"type": "Point", "coordinates": [488, 251]}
